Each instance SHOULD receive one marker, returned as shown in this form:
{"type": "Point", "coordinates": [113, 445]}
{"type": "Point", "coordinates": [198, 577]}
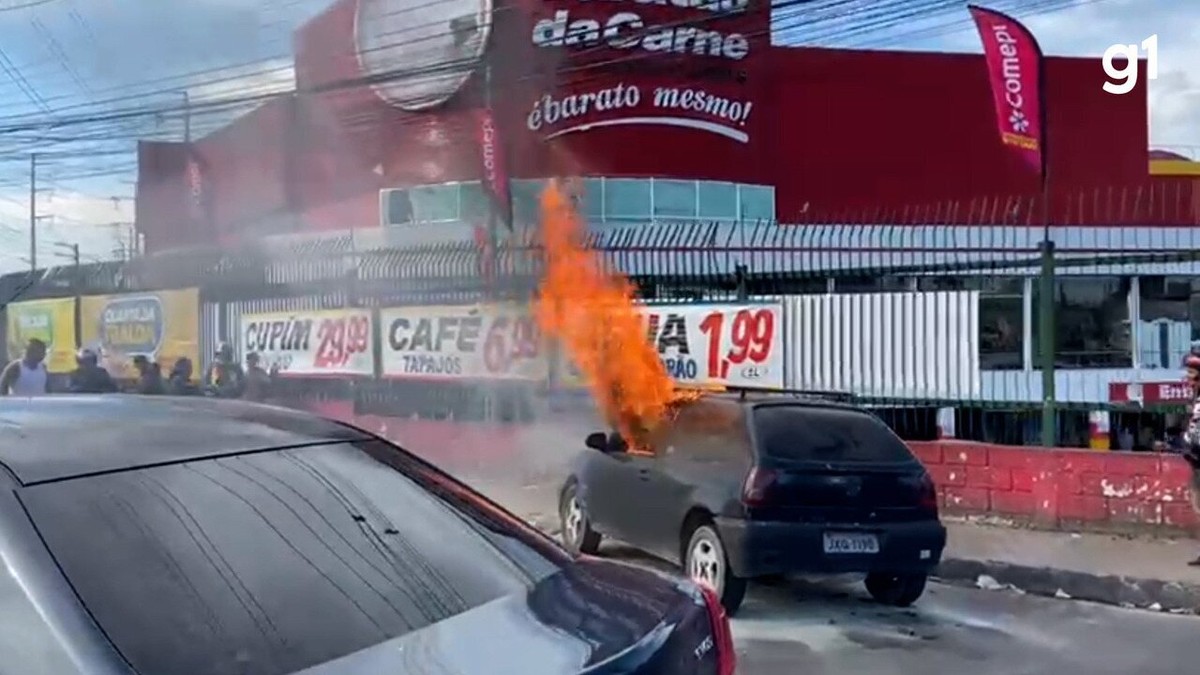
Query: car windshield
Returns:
{"type": "Point", "coordinates": [271, 562]}
{"type": "Point", "coordinates": [810, 433]}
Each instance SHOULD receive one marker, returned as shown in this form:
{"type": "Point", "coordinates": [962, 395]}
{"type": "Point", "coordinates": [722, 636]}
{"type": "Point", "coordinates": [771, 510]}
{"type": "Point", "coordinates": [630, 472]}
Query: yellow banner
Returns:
{"type": "Point", "coordinates": [163, 326]}
{"type": "Point", "coordinates": [51, 321]}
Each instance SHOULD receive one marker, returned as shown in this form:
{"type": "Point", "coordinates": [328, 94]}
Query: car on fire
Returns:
{"type": "Point", "coordinates": [741, 485]}
{"type": "Point", "coordinates": [194, 535]}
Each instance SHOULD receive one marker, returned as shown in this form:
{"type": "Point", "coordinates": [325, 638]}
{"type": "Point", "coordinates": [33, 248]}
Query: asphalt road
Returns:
{"type": "Point", "coordinates": [830, 626]}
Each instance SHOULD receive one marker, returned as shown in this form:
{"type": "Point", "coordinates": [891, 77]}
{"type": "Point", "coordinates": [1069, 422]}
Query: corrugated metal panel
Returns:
{"type": "Point", "coordinates": [233, 312]}
{"type": "Point", "coordinates": [908, 345]}
{"type": "Point", "coordinates": [210, 333]}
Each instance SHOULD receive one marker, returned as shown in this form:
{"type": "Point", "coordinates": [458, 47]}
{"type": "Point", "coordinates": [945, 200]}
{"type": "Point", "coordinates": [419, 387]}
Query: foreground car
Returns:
{"type": "Point", "coordinates": [745, 485]}
{"type": "Point", "coordinates": [160, 535]}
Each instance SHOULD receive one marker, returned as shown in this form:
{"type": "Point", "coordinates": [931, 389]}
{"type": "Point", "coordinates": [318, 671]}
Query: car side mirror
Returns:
{"type": "Point", "coordinates": [597, 441]}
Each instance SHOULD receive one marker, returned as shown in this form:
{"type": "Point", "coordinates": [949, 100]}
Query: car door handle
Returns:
{"type": "Point", "coordinates": [644, 474]}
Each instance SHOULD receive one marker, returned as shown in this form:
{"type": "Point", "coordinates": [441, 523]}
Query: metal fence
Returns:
{"type": "Point", "coordinates": [943, 327]}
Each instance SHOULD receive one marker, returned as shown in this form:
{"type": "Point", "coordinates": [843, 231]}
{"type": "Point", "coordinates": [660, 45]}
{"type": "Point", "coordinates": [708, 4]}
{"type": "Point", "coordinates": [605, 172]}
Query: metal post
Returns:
{"type": "Point", "coordinates": [33, 212]}
{"type": "Point", "coordinates": [1047, 342]}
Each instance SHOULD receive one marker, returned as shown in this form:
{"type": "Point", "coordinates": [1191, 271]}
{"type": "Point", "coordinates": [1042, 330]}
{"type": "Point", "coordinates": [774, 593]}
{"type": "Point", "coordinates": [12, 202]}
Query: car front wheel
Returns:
{"type": "Point", "coordinates": [897, 590]}
{"type": "Point", "coordinates": [577, 533]}
{"type": "Point", "coordinates": [706, 563]}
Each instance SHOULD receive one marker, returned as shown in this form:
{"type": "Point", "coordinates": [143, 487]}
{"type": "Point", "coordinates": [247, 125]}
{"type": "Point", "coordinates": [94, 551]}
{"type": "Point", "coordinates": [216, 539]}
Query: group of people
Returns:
{"type": "Point", "coordinates": [224, 378]}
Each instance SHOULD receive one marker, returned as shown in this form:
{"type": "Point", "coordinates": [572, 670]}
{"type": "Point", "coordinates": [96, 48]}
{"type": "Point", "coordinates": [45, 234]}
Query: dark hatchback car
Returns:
{"type": "Point", "coordinates": [739, 486]}
{"type": "Point", "coordinates": [198, 536]}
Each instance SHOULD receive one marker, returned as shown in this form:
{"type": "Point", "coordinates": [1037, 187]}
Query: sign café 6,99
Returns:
{"type": "Point", "coordinates": [732, 344]}
{"type": "Point", "coordinates": [624, 103]}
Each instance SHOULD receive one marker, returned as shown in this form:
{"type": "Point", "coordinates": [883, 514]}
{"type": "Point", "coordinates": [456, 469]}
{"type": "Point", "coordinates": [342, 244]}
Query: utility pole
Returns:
{"type": "Point", "coordinates": [72, 251]}
{"type": "Point", "coordinates": [33, 212]}
{"type": "Point", "coordinates": [187, 117]}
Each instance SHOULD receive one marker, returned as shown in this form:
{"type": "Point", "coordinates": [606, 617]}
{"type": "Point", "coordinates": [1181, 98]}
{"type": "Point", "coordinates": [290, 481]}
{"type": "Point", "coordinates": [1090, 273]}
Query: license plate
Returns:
{"type": "Point", "coordinates": [851, 543]}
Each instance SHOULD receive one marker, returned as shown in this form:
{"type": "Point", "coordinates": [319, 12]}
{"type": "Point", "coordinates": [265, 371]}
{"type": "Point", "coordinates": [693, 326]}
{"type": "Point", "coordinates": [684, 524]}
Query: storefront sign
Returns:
{"type": "Point", "coordinates": [52, 322]}
{"type": "Point", "coordinates": [163, 326]}
{"type": "Point", "coordinates": [1148, 393]}
{"type": "Point", "coordinates": [465, 342]}
{"type": "Point", "coordinates": [311, 343]}
{"type": "Point", "coordinates": [736, 345]}
{"type": "Point", "coordinates": [680, 63]}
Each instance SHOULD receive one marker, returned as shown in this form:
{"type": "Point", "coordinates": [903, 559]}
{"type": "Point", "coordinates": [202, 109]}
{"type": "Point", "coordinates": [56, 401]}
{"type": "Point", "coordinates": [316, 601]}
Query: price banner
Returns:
{"type": "Point", "coordinates": [311, 343]}
{"type": "Point", "coordinates": [736, 345]}
{"type": "Point", "coordinates": [465, 342]}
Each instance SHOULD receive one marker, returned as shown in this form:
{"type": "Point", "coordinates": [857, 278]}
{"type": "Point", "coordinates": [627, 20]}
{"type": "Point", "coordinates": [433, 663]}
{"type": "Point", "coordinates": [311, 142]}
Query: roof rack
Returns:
{"type": "Point", "coordinates": [822, 394]}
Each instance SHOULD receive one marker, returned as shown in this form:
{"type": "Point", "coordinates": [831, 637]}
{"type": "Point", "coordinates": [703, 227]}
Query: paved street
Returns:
{"type": "Point", "coordinates": [829, 626]}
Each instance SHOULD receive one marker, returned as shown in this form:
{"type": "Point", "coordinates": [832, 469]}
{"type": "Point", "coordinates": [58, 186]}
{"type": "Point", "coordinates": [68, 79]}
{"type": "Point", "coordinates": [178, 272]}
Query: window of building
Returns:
{"type": "Point", "coordinates": [474, 205]}
{"type": "Point", "coordinates": [757, 202]}
{"type": "Point", "coordinates": [434, 203]}
{"type": "Point", "coordinates": [592, 196]}
{"type": "Point", "coordinates": [1001, 316]}
{"type": "Point", "coordinates": [872, 284]}
{"type": "Point", "coordinates": [1091, 322]}
{"type": "Point", "coordinates": [626, 198]}
{"type": "Point", "coordinates": [527, 201]}
{"type": "Point", "coordinates": [674, 198]}
{"type": "Point", "coordinates": [1167, 322]}
{"type": "Point", "coordinates": [718, 201]}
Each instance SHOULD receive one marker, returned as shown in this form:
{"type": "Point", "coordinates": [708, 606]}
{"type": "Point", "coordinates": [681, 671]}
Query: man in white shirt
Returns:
{"type": "Point", "coordinates": [26, 376]}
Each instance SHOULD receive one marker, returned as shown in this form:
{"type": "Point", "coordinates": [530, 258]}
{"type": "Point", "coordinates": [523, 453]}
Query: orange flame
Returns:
{"type": "Point", "coordinates": [592, 312]}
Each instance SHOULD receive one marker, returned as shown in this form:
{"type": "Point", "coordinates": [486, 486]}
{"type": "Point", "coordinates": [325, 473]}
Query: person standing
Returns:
{"type": "Point", "coordinates": [1191, 436]}
{"type": "Point", "coordinates": [225, 377]}
{"type": "Point", "coordinates": [26, 376]}
{"type": "Point", "coordinates": [150, 379]}
{"type": "Point", "coordinates": [259, 382]}
{"type": "Point", "coordinates": [179, 383]}
{"type": "Point", "coordinates": [88, 377]}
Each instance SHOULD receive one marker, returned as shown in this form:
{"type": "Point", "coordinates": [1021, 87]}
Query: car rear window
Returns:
{"type": "Point", "coordinates": [811, 433]}
{"type": "Point", "coordinates": [271, 562]}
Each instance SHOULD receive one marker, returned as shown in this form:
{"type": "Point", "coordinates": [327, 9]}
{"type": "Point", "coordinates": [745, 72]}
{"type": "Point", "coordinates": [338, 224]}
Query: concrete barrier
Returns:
{"type": "Point", "coordinates": [1061, 488]}
{"type": "Point", "coordinates": [1046, 487]}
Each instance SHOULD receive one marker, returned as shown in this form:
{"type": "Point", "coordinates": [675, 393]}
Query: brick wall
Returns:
{"type": "Point", "coordinates": [1054, 488]}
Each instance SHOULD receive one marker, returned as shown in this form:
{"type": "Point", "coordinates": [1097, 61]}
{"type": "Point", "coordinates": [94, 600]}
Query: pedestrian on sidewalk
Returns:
{"type": "Point", "coordinates": [1191, 453]}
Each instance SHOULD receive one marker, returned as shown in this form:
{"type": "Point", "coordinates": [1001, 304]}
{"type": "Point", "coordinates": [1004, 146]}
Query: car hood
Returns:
{"type": "Point", "coordinates": [589, 617]}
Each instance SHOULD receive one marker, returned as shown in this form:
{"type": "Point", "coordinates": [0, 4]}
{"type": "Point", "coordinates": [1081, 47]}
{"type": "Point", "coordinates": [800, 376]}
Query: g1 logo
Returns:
{"type": "Point", "coordinates": [1123, 80]}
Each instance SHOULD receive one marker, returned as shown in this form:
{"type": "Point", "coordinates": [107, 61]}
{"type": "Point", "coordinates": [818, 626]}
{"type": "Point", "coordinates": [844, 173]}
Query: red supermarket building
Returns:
{"type": "Point", "coordinates": [617, 91]}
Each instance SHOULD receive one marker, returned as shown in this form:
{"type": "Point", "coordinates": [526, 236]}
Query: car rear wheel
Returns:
{"type": "Point", "coordinates": [577, 533]}
{"type": "Point", "coordinates": [707, 564]}
{"type": "Point", "coordinates": [897, 590]}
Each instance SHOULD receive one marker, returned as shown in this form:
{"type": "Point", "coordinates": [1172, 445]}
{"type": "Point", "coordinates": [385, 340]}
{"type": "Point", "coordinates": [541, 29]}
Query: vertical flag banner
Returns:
{"type": "Point", "coordinates": [1014, 63]}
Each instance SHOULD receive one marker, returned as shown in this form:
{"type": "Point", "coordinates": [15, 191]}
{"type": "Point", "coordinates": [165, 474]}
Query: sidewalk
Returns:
{"type": "Point", "coordinates": [1117, 570]}
{"type": "Point", "coordinates": [1128, 571]}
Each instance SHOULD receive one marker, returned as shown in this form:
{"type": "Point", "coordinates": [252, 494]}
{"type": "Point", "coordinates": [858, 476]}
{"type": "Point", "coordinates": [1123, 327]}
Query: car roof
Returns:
{"type": "Point", "coordinates": [51, 438]}
{"type": "Point", "coordinates": [756, 398]}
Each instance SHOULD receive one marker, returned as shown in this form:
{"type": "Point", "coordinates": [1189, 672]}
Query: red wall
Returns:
{"type": "Point", "coordinates": [893, 128]}
{"type": "Point", "coordinates": [830, 128]}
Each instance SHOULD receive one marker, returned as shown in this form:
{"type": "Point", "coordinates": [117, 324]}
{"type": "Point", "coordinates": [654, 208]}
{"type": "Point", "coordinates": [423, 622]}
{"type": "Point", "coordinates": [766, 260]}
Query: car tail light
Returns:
{"type": "Point", "coordinates": [758, 482]}
{"type": "Point", "coordinates": [722, 635]}
{"type": "Point", "coordinates": [928, 494]}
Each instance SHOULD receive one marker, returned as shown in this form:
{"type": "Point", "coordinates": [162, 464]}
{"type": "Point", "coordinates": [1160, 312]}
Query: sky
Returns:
{"type": "Point", "coordinates": [79, 58]}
